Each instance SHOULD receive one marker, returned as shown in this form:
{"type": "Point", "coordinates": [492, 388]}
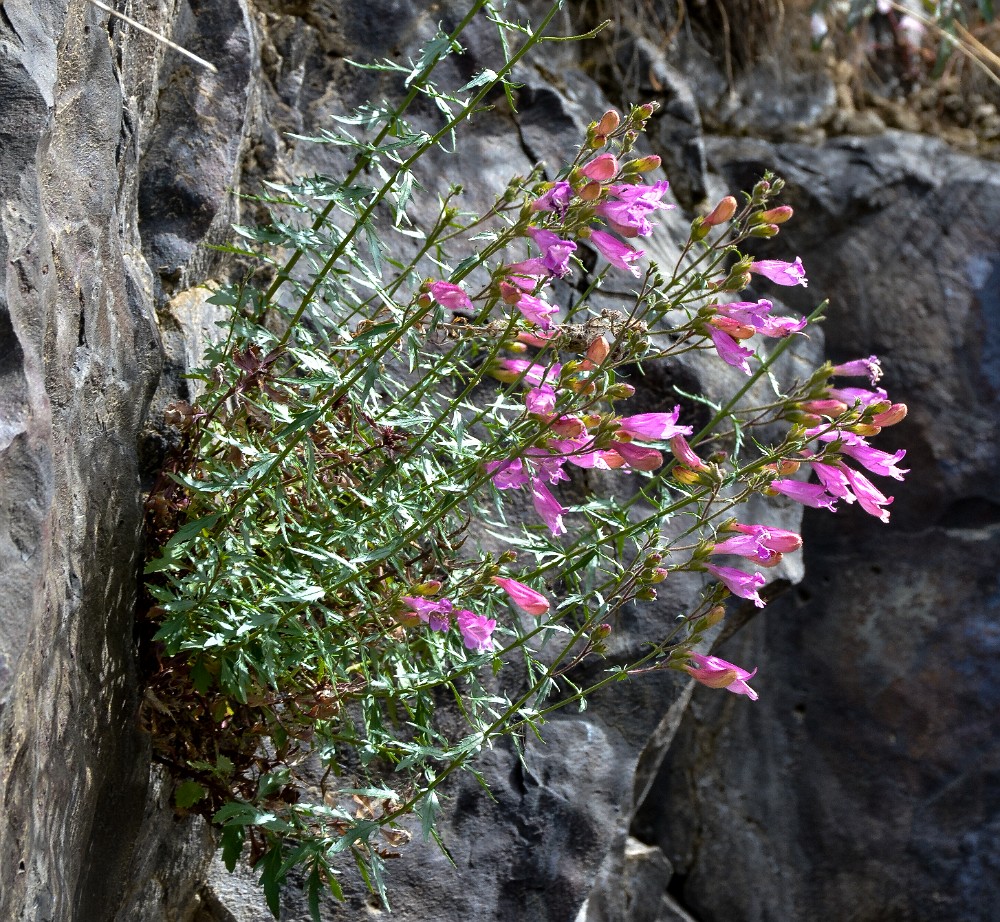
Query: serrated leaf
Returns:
{"type": "Point", "coordinates": [188, 793]}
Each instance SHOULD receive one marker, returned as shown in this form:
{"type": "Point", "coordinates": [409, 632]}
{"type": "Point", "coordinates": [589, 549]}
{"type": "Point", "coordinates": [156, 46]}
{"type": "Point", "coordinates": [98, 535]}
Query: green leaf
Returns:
{"type": "Point", "coordinates": [271, 878]}
{"type": "Point", "coordinates": [314, 886]}
{"type": "Point", "coordinates": [231, 843]}
{"type": "Point", "coordinates": [481, 79]}
{"type": "Point", "coordinates": [188, 793]}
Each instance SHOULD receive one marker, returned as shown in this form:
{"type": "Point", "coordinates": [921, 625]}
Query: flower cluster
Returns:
{"type": "Point", "coordinates": [836, 479]}
{"type": "Point", "coordinates": [578, 440]}
{"type": "Point", "coordinates": [604, 203]}
{"type": "Point", "coordinates": [476, 630]}
{"type": "Point", "coordinates": [732, 323]}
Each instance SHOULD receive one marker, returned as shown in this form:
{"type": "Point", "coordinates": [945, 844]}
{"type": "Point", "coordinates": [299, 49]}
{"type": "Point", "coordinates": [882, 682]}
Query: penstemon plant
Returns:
{"type": "Point", "coordinates": [331, 632]}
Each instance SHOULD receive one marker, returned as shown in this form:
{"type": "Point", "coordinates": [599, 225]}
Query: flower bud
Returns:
{"type": "Point", "coordinates": [645, 110]}
{"type": "Point", "coordinates": [659, 575]}
{"type": "Point", "coordinates": [601, 631]}
{"type": "Point", "coordinates": [699, 229]}
{"type": "Point", "coordinates": [516, 348]}
{"type": "Point", "coordinates": [736, 281]}
{"type": "Point", "coordinates": [777, 215]}
{"type": "Point", "coordinates": [895, 414]}
{"type": "Point", "coordinates": [508, 557]}
{"type": "Point", "coordinates": [537, 339]}
{"type": "Point", "coordinates": [609, 122]}
{"type": "Point", "coordinates": [646, 594]}
{"type": "Point", "coordinates": [715, 615]}
{"type": "Point", "coordinates": [764, 230]}
{"type": "Point", "coordinates": [620, 391]}
{"type": "Point", "coordinates": [653, 559]}
{"type": "Point", "coordinates": [644, 164]}
{"type": "Point", "coordinates": [430, 587]}
{"type": "Point", "coordinates": [510, 294]}
{"type": "Point", "coordinates": [567, 427]}
{"type": "Point", "coordinates": [864, 429]}
{"type": "Point", "coordinates": [601, 168]}
{"type": "Point", "coordinates": [591, 192]}
{"type": "Point", "coordinates": [684, 475]}
{"type": "Point", "coordinates": [786, 467]}
{"type": "Point", "coordinates": [722, 212]}
{"type": "Point", "coordinates": [424, 300]}
{"type": "Point", "coordinates": [829, 407]}
{"type": "Point", "coordinates": [599, 350]}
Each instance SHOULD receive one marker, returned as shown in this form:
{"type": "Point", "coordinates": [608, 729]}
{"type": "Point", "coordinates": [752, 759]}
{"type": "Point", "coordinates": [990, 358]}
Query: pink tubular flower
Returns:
{"type": "Point", "coordinates": [619, 254]}
{"type": "Point", "coordinates": [548, 507]}
{"type": "Point", "coordinates": [639, 457]}
{"type": "Point", "coordinates": [775, 539]}
{"type": "Point", "coordinates": [556, 251]}
{"type": "Point", "coordinates": [537, 339]}
{"type": "Point", "coordinates": [860, 367]}
{"type": "Point", "coordinates": [757, 314]}
{"type": "Point", "coordinates": [856, 447]}
{"type": "Point", "coordinates": [717, 673]}
{"type": "Point", "coordinates": [547, 467]}
{"type": "Point", "coordinates": [476, 630]}
{"type": "Point", "coordinates": [858, 395]}
{"type": "Point", "coordinates": [626, 212]}
{"type": "Point", "coordinates": [451, 296]}
{"type": "Point", "coordinates": [749, 547]}
{"type": "Point", "coordinates": [535, 310]}
{"type": "Point", "coordinates": [685, 454]}
{"type": "Point", "coordinates": [834, 480]}
{"type": "Point", "coordinates": [601, 168]}
{"type": "Point", "coordinates": [730, 351]}
{"type": "Point", "coordinates": [780, 327]}
{"type": "Point", "coordinates": [579, 451]}
{"type": "Point", "coordinates": [745, 585]}
{"type": "Point", "coordinates": [433, 612]}
{"type": "Point", "coordinates": [510, 370]}
{"type": "Point", "coordinates": [652, 427]}
{"type": "Point", "coordinates": [508, 475]}
{"type": "Point", "coordinates": [809, 494]}
{"type": "Point", "coordinates": [513, 286]}
{"type": "Point", "coordinates": [869, 497]}
{"type": "Point", "coordinates": [540, 400]}
{"type": "Point", "coordinates": [781, 272]}
{"type": "Point", "coordinates": [524, 597]}
{"type": "Point", "coordinates": [555, 199]}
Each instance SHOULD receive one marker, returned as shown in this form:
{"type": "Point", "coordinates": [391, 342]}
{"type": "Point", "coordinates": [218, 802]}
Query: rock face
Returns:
{"type": "Point", "coordinates": [861, 786]}
{"type": "Point", "coordinates": [864, 784]}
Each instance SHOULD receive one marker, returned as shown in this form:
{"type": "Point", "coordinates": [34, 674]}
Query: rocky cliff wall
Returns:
{"type": "Point", "coordinates": [860, 787]}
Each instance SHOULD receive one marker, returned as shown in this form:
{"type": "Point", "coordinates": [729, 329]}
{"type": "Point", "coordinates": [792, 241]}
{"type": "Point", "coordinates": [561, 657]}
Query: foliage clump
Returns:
{"type": "Point", "coordinates": [339, 580]}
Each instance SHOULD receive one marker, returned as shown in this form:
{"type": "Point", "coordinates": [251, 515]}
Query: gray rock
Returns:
{"type": "Point", "coordinates": [80, 355]}
{"type": "Point", "coordinates": [191, 166]}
